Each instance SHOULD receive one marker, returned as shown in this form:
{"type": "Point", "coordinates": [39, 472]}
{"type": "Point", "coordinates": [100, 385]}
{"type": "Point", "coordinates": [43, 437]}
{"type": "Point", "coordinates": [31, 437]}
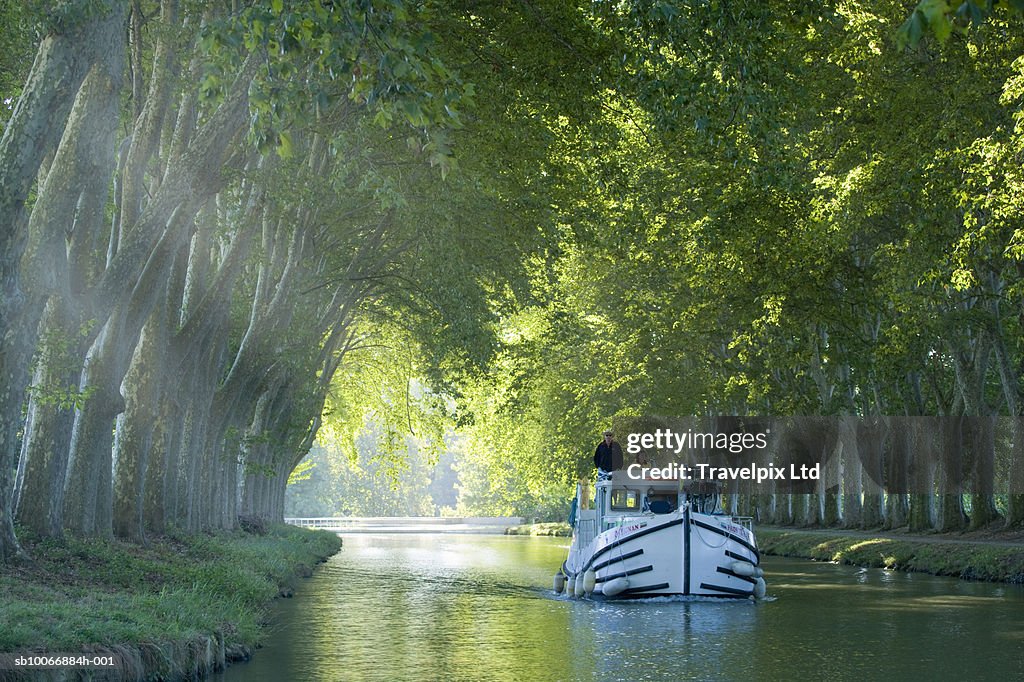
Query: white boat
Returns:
{"type": "Point", "coordinates": [654, 538]}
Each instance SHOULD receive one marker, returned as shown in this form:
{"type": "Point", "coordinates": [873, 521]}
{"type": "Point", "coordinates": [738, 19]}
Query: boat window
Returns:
{"type": "Point", "coordinates": [623, 498]}
{"type": "Point", "coordinates": [661, 504]}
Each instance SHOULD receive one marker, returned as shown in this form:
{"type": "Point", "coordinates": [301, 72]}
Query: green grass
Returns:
{"type": "Point", "coordinates": [971, 561]}
{"type": "Point", "coordinates": [89, 593]}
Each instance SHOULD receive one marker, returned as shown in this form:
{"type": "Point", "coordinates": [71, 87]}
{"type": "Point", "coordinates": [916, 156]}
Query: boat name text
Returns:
{"type": "Point", "coordinates": [623, 530]}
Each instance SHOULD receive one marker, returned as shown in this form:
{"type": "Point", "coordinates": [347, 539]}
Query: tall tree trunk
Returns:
{"type": "Point", "coordinates": [280, 483]}
{"type": "Point", "coordinates": [154, 503]}
{"type": "Point", "coordinates": [79, 181]}
{"type": "Point", "coordinates": [852, 474]}
{"type": "Point", "coordinates": [951, 476]}
{"type": "Point", "coordinates": [47, 436]}
{"type": "Point", "coordinates": [174, 468]}
{"type": "Point", "coordinates": [799, 509]}
{"type": "Point", "coordinates": [1015, 499]}
{"type": "Point", "coordinates": [200, 424]}
{"type": "Point", "coordinates": [134, 434]}
{"type": "Point", "coordinates": [192, 454]}
{"type": "Point", "coordinates": [897, 510]}
{"type": "Point", "coordinates": [917, 433]}
{"type": "Point", "coordinates": [228, 511]}
{"type": "Point", "coordinates": [93, 30]}
{"type": "Point", "coordinates": [213, 443]}
{"type": "Point", "coordinates": [970, 373]}
{"type": "Point", "coordinates": [831, 482]}
{"type": "Point", "coordinates": [88, 499]}
{"type": "Point", "coordinates": [162, 469]}
{"type": "Point", "coordinates": [813, 509]}
{"type": "Point", "coordinates": [897, 506]}
{"type": "Point", "coordinates": [1010, 378]}
{"type": "Point", "coordinates": [871, 437]}
{"type": "Point", "coordinates": [256, 457]}
{"type": "Point", "coordinates": [770, 505]}
{"type": "Point", "coordinates": [983, 508]}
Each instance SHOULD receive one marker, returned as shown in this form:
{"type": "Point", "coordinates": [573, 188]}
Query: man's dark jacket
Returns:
{"type": "Point", "coordinates": [608, 457]}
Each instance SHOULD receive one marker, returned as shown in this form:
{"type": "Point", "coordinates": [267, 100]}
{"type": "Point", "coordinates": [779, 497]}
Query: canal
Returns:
{"type": "Point", "coordinates": [472, 607]}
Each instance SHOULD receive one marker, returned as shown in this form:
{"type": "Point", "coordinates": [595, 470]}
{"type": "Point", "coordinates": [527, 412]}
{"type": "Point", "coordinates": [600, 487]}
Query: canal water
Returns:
{"type": "Point", "coordinates": [472, 607]}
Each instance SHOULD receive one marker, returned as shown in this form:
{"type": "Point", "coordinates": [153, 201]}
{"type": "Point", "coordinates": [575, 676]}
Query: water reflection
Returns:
{"type": "Point", "coordinates": [433, 607]}
{"type": "Point", "coordinates": [647, 640]}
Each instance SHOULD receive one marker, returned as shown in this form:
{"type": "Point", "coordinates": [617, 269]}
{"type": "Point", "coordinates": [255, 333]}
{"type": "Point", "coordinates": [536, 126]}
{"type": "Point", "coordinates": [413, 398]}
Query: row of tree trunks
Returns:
{"type": "Point", "coordinates": [899, 472]}
{"type": "Point", "coordinates": [72, 202]}
{"type": "Point", "coordinates": [65, 479]}
{"type": "Point", "coordinates": [789, 509]}
{"type": "Point", "coordinates": [56, 84]}
{"type": "Point", "coordinates": [143, 250]}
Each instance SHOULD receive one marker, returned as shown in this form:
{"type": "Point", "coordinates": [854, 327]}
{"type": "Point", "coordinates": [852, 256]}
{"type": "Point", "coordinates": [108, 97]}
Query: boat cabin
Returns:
{"type": "Point", "coordinates": [616, 500]}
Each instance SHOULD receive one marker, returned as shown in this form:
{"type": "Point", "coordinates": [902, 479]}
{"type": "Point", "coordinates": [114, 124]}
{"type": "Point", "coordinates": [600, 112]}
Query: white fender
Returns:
{"type": "Point", "coordinates": [589, 581]}
{"type": "Point", "coordinates": [559, 583]}
{"type": "Point", "coordinates": [579, 586]}
{"type": "Point", "coordinates": [760, 588]}
{"type": "Point", "coordinates": [570, 586]}
{"type": "Point", "coordinates": [614, 587]}
{"type": "Point", "coordinates": [758, 572]}
{"type": "Point", "coordinates": [744, 568]}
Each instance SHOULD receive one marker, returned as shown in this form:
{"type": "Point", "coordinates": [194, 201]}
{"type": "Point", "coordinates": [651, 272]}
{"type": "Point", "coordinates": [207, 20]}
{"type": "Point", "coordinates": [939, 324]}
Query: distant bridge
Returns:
{"type": "Point", "coordinates": [409, 524]}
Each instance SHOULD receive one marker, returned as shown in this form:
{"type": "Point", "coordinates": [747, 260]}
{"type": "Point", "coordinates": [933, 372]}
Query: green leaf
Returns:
{"type": "Point", "coordinates": [970, 13]}
{"type": "Point", "coordinates": [911, 31]}
{"type": "Point", "coordinates": [936, 13]}
{"type": "Point", "coordinates": [284, 145]}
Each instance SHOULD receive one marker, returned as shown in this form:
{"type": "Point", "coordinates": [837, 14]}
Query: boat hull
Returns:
{"type": "Point", "coordinates": [679, 554]}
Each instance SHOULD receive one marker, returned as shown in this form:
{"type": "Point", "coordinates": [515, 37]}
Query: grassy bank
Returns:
{"type": "Point", "coordinates": [551, 529]}
{"type": "Point", "coordinates": [967, 560]}
{"type": "Point", "coordinates": [184, 604]}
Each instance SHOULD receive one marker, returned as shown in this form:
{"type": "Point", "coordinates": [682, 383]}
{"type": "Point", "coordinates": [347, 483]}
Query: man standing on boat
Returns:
{"type": "Point", "coordinates": [607, 457]}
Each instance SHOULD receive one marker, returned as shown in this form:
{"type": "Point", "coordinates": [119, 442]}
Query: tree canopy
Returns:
{"type": "Point", "coordinates": [225, 225]}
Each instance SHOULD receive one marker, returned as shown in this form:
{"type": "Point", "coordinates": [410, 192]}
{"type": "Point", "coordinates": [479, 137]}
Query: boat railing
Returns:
{"type": "Point", "coordinates": [586, 531]}
{"type": "Point", "coordinates": [745, 521]}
